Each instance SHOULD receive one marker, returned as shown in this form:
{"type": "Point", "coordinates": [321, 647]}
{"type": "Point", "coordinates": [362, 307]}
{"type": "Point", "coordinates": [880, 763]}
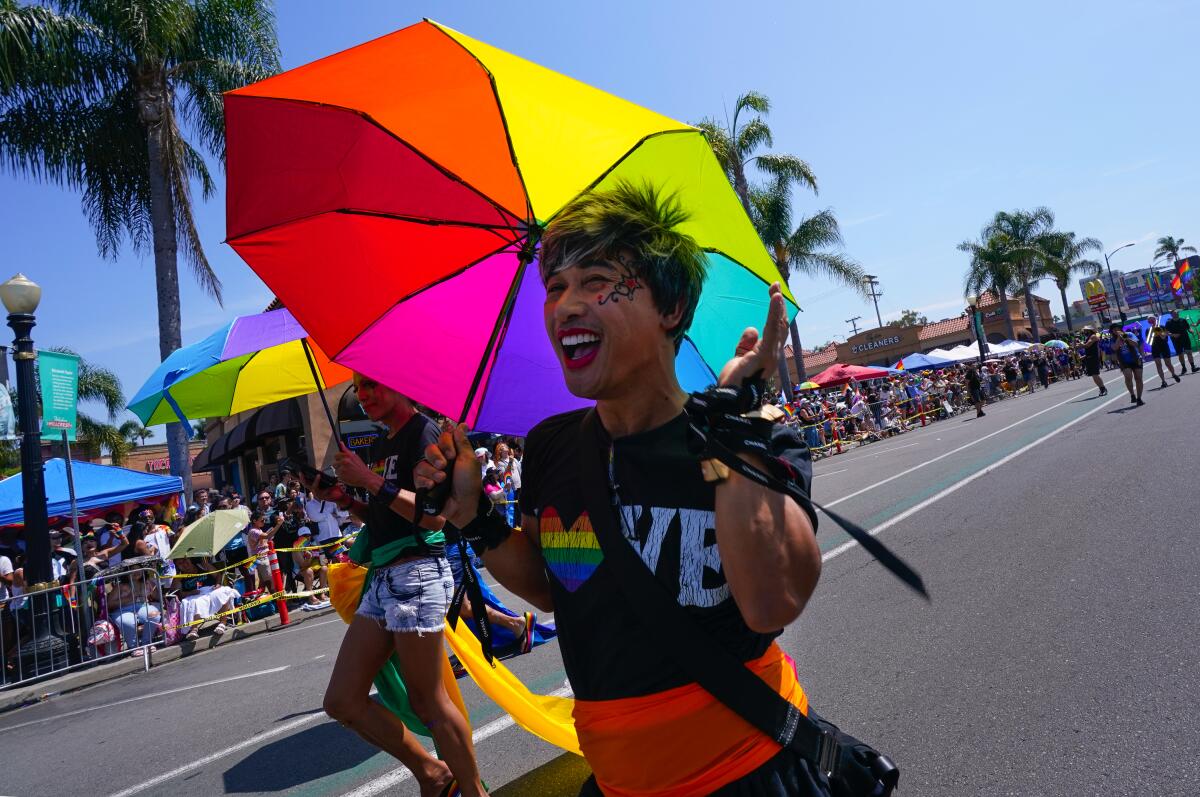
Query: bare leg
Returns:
{"type": "Point", "coordinates": [1137, 375]}
{"type": "Point", "coordinates": [364, 650]}
{"type": "Point", "coordinates": [421, 662]}
{"type": "Point", "coordinates": [513, 624]}
{"type": "Point", "coordinates": [1158, 364]}
{"type": "Point", "coordinates": [1099, 382]}
{"type": "Point", "coordinates": [1128, 374]}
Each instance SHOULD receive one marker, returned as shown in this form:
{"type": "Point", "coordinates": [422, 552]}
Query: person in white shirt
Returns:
{"type": "Point", "coordinates": [507, 466]}
{"type": "Point", "coordinates": [6, 577]}
{"type": "Point", "coordinates": [327, 517]}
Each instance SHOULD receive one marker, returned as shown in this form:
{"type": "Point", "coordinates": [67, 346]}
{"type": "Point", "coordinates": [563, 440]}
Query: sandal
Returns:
{"type": "Point", "coordinates": [527, 636]}
{"type": "Point", "coordinates": [451, 790]}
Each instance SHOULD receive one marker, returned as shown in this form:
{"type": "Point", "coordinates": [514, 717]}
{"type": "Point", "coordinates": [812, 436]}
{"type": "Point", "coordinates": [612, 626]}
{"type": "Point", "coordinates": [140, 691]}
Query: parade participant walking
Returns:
{"type": "Point", "coordinates": [404, 605]}
{"type": "Point", "coordinates": [975, 388]}
{"type": "Point", "coordinates": [1160, 350]}
{"type": "Point", "coordinates": [1180, 331]}
{"type": "Point", "coordinates": [622, 286]}
{"type": "Point", "coordinates": [1128, 353]}
{"type": "Point", "coordinates": [1091, 358]}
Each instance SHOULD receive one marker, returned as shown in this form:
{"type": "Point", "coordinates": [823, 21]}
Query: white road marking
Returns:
{"type": "Point", "coordinates": [257, 739]}
{"type": "Point", "coordinates": [881, 453]}
{"type": "Point", "coordinates": [77, 712]}
{"type": "Point", "coordinates": [933, 499]}
{"type": "Point", "coordinates": [401, 774]}
{"type": "Point", "coordinates": [964, 447]}
{"type": "Point", "coordinates": [830, 473]}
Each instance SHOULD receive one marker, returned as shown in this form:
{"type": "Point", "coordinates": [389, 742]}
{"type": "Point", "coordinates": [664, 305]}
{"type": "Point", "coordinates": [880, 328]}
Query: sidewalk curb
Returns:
{"type": "Point", "coordinates": [40, 691]}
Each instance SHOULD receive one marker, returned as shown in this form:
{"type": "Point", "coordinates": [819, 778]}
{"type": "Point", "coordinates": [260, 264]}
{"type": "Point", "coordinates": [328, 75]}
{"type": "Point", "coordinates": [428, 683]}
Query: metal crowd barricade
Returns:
{"type": "Point", "coordinates": [61, 628]}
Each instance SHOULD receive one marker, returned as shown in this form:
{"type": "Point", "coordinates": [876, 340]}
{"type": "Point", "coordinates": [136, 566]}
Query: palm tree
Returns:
{"type": "Point", "coordinates": [990, 269]}
{"type": "Point", "coordinates": [135, 433]}
{"type": "Point", "coordinates": [801, 249]}
{"type": "Point", "coordinates": [1170, 248]}
{"type": "Point", "coordinates": [1065, 258]}
{"type": "Point", "coordinates": [735, 143]}
{"type": "Point", "coordinates": [1025, 232]}
{"type": "Point", "coordinates": [94, 96]}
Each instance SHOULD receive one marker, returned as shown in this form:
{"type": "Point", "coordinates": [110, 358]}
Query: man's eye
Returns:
{"type": "Point", "coordinates": [554, 288]}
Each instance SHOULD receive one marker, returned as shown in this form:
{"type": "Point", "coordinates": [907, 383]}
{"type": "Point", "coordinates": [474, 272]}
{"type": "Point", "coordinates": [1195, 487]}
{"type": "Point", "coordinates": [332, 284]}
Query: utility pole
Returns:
{"type": "Point", "coordinates": [873, 282]}
{"type": "Point", "coordinates": [853, 322]}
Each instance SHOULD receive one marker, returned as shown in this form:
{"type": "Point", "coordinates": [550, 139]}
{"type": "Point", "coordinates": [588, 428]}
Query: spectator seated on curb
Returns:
{"type": "Point", "coordinates": [310, 565]}
{"type": "Point", "coordinates": [200, 601]}
{"type": "Point", "coordinates": [133, 601]}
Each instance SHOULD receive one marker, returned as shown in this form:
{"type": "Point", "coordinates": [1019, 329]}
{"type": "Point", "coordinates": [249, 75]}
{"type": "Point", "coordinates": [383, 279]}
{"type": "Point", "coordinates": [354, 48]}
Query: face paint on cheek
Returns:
{"type": "Point", "coordinates": [625, 287]}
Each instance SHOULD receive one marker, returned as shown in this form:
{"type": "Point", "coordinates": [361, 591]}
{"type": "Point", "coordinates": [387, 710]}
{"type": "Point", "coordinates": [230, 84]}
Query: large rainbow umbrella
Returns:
{"type": "Point", "coordinates": [251, 361]}
{"type": "Point", "coordinates": [392, 196]}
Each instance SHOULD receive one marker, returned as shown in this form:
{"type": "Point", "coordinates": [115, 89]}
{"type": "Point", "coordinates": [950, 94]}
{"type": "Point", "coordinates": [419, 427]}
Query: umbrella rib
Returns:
{"type": "Point", "coordinates": [418, 292]}
{"type": "Point", "coordinates": [742, 266]}
{"type": "Point", "coordinates": [590, 186]}
{"type": "Point", "coordinates": [368, 118]}
{"type": "Point", "coordinates": [494, 228]}
{"type": "Point", "coordinates": [499, 331]}
{"type": "Point", "coordinates": [512, 151]}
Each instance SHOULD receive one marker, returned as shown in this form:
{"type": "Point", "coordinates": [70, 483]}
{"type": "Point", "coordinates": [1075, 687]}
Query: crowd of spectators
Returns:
{"type": "Point", "coordinates": [863, 412]}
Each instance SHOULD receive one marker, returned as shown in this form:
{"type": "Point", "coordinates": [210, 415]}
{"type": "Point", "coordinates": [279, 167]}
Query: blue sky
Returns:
{"type": "Point", "coordinates": [920, 119]}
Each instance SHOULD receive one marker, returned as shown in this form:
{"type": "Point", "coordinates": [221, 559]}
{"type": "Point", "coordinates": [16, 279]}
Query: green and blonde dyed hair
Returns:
{"type": "Point", "coordinates": [602, 225]}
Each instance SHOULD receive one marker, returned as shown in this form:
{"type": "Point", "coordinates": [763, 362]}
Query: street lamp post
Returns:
{"type": "Point", "coordinates": [21, 297]}
{"type": "Point", "coordinates": [977, 325]}
{"type": "Point", "coordinates": [47, 651]}
{"type": "Point", "coordinates": [1112, 283]}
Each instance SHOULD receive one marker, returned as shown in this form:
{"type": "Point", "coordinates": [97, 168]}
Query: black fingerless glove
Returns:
{"type": "Point", "coordinates": [489, 529]}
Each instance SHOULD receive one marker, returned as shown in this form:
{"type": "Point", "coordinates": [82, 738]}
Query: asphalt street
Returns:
{"type": "Point", "coordinates": [1058, 655]}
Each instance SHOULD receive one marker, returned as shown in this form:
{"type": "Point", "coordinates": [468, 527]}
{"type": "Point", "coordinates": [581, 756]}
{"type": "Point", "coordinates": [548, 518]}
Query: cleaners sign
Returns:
{"type": "Point", "coordinates": [881, 343]}
{"type": "Point", "coordinates": [58, 374]}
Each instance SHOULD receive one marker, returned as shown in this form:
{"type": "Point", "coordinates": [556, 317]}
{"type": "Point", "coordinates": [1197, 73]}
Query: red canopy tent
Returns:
{"type": "Point", "coordinates": [838, 374]}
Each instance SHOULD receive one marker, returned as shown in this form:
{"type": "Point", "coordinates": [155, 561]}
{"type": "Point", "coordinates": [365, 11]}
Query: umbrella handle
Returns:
{"type": "Point", "coordinates": [312, 366]}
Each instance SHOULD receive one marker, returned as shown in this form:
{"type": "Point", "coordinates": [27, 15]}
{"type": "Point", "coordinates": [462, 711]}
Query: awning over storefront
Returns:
{"type": "Point", "coordinates": [274, 419]}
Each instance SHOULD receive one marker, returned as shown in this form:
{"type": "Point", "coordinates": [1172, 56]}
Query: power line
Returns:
{"type": "Point", "coordinates": [853, 322]}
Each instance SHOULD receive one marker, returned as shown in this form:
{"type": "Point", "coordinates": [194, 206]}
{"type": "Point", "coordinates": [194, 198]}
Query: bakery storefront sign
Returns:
{"type": "Point", "coordinates": [881, 343]}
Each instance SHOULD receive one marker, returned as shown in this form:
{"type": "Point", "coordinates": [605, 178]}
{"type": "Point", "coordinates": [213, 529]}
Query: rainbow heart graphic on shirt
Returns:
{"type": "Point", "coordinates": [571, 554]}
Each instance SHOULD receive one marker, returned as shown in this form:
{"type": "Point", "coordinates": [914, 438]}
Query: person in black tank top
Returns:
{"type": "Point", "coordinates": [1160, 350]}
{"type": "Point", "coordinates": [622, 285]}
{"type": "Point", "coordinates": [1091, 357]}
{"type": "Point", "coordinates": [402, 610]}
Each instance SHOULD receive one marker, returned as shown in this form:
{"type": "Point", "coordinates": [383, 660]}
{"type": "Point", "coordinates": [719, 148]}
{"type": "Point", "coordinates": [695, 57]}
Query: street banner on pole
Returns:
{"type": "Point", "coordinates": [8, 421]}
{"type": "Point", "coordinates": [58, 374]}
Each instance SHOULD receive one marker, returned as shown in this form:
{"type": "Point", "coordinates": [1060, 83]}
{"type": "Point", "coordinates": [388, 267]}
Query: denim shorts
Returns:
{"type": "Point", "coordinates": [410, 596]}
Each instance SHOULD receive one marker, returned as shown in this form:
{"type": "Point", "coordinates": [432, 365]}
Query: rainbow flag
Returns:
{"type": "Point", "coordinates": [1185, 274]}
{"type": "Point", "coordinates": [899, 366]}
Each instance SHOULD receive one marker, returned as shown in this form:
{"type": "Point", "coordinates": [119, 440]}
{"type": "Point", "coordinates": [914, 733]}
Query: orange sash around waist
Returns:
{"type": "Point", "coordinates": [681, 742]}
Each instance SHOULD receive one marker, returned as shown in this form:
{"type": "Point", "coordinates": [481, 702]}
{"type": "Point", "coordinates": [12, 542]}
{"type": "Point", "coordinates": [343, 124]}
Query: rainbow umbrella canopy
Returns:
{"type": "Point", "coordinates": [392, 196]}
{"type": "Point", "coordinates": [251, 361]}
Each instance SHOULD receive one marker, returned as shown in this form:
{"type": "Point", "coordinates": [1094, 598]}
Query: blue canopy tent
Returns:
{"type": "Point", "coordinates": [97, 487]}
{"type": "Point", "coordinates": [917, 361]}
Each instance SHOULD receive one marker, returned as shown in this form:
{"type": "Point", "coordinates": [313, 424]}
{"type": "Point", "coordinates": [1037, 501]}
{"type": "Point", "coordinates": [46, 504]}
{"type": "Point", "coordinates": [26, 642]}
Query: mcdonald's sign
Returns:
{"type": "Point", "coordinates": [1097, 295]}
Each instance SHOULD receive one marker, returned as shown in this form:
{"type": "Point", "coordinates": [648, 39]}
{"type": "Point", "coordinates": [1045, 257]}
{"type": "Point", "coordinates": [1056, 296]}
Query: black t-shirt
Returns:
{"type": "Point", "coordinates": [1177, 326]}
{"type": "Point", "coordinates": [289, 532]}
{"type": "Point", "coordinates": [973, 380]}
{"type": "Point", "coordinates": [394, 458]}
{"type": "Point", "coordinates": [1026, 365]}
{"type": "Point", "coordinates": [608, 649]}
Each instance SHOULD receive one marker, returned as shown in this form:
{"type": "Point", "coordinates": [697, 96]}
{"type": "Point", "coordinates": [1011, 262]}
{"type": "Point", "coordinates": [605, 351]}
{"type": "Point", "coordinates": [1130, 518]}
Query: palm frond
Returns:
{"type": "Point", "coordinates": [754, 134]}
{"type": "Point", "coordinates": [789, 167]}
